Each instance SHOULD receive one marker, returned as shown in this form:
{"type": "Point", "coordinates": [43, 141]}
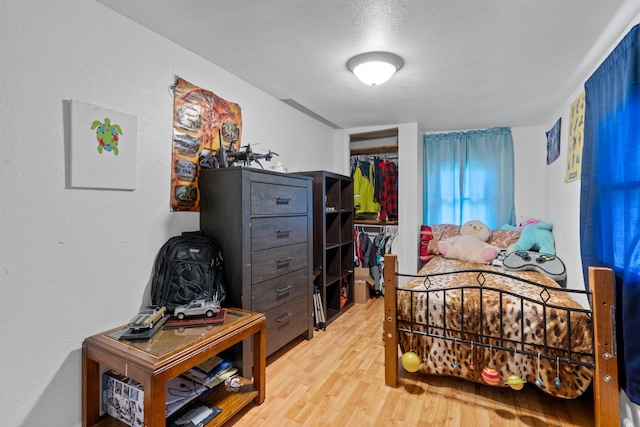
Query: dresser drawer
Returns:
{"type": "Point", "coordinates": [286, 317]}
{"type": "Point", "coordinates": [270, 232]}
{"type": "Point", "coordinates": [271, 293]}
{"type": "Point", "coordinates": [275, 262]}
{"type": "Point", "coordinates": [267, 199]}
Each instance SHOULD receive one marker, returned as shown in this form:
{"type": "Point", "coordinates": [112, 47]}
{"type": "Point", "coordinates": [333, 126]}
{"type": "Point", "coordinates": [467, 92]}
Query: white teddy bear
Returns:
{"type": "Point", "coordinates": [470, 244]}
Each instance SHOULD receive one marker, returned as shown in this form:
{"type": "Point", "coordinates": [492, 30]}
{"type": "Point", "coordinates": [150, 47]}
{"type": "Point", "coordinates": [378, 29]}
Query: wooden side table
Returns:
{"type": "Point", "coordinates": [168, 354]}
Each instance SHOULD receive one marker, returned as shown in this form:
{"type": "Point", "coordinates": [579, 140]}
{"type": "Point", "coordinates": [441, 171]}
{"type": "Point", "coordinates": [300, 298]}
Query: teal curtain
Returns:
{"type": "Point", "coordinates": [610, 193]}
{"type": "Point", "coordinates": [469, 176]}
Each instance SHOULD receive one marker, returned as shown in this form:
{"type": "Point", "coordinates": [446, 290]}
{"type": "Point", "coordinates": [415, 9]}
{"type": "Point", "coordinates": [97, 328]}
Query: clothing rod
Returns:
{"type": "Point", "coordinates": [376, 226]}
{"type": "Point", "coordinates": [381, 156]}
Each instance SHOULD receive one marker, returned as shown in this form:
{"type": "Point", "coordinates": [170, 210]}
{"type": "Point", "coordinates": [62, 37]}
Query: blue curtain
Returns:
{"type": "Point", "coordinates": [610, 192]}
{"type": "Point", "coordinates": [468, 176]}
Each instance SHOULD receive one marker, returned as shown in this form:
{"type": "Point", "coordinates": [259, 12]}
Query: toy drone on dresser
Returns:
{"type": "Point", "coordinates": [242, 158]}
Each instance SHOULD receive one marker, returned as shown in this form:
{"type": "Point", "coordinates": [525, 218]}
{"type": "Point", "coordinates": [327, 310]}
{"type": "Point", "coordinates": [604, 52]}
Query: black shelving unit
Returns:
{"type": "Point", "coordinates": [333, 247]}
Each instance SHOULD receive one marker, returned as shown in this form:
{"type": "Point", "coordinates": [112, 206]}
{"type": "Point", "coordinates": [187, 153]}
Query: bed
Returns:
{"type": "Point", "coordinates": [501, 328]}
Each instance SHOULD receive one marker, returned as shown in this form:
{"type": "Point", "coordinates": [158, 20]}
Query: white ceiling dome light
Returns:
{"type": "Point", "coordinates": [374, 68]}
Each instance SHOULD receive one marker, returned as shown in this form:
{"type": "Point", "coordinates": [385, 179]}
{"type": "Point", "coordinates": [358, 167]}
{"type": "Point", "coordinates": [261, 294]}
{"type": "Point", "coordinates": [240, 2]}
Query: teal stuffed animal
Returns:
{"type": "Point", "coordinates": [535, 235]}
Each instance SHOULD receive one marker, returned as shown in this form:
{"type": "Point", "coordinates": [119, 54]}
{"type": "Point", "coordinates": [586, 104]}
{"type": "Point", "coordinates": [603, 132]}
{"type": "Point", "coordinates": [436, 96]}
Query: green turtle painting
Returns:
{"type": "Point", "coordinates": [107, 135]}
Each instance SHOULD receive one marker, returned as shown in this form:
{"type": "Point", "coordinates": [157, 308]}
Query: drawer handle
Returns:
{"type": "Point", "coordinates": [285, 289]}
{"type": "Point", "coordinates": [282, 233]}
{"type": "Point", "coordinates": [283, 318]}
{"type": "Point", "coordinates": [283, 260]}
{"type": "Point", "coordinates": [283, 200]}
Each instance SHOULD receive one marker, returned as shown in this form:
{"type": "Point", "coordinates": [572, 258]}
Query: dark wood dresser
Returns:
{"type": "Point", "coordinates": [263, 222]}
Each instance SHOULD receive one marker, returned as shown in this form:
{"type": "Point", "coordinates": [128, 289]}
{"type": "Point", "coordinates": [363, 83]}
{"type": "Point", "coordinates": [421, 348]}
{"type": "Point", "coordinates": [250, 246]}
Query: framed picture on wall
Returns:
{"type": "Point", "coordinates": [575, 139]}
{"type": "Point", "coordinates": [553, 143]}
{"type": "Point", "coordinates": [102, 147]}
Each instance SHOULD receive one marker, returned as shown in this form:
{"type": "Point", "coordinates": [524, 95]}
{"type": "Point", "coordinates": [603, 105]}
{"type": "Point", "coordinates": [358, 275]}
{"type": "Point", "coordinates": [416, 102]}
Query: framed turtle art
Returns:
{"type": "Point", "coordinates": [102, 148]}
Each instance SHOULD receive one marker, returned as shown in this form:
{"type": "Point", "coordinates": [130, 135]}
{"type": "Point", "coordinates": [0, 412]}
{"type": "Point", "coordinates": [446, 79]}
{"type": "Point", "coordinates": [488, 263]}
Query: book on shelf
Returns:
{"type": "Point", "coordinates": [211, 372]}
{"type": "Point", "coordinates": [209, 366]}
{"type": "Point", "coordinates": [197, 381]}
{"type": "Point", "coordinates": [196, 413]}
{"type": "Point", "coordinates": [221, 377]}
{"type": "Point", "coordinates": [193, 322]}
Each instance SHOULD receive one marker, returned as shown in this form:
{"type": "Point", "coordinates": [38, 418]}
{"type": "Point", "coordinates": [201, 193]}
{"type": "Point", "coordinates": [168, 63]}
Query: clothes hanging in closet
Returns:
{"type": "Point", "coordinates": [375, 181]}
{"type": "Point", "coordinates": [389, 193]}
{"type": "Point", "coordinates": [363, 189]}
{"type": "Point", "coordinates": [370, 253]}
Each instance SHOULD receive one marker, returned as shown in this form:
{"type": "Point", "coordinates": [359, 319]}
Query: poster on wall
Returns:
{"type": "Point", "coordinates": [553, 143]}
{"type": "Point", "coordinates": [202, 122]}
{"type": "Point", "coordinates": [575, 141]}
{"type": "Point", "coordinates": [102, 148]}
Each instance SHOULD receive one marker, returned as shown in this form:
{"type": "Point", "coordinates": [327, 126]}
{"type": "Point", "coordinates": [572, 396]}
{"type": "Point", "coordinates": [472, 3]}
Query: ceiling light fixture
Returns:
{"type": "Point", "coordinates": [374, 68]}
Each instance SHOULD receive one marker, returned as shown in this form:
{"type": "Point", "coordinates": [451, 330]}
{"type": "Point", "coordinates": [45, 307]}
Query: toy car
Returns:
{"type": "Point", "coordinates": [146, 318]}
{"type": "Point", "coordinates": [197, 308]}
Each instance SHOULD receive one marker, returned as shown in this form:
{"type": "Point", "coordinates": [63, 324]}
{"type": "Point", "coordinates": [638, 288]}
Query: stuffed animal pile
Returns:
{"type": "Point", "coordinates": [470, 244]}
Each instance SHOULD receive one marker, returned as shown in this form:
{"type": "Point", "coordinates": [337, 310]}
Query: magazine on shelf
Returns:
{"type": "Point", "coordinates": [211, 372]}
{"type": "Point", "coordinates": [180, 391]}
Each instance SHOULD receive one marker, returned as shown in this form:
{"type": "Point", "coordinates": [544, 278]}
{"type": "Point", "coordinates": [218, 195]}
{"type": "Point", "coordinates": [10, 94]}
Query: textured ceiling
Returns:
{"type": "Point", "coordinates": [468, 64]}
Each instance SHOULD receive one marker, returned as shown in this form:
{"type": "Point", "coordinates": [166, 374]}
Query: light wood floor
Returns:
{"type": "Point", "coordinates": [337, 379]}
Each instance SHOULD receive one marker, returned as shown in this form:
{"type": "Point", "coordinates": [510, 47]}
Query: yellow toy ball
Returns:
{"type": "Point", "coordinates": [410, 361]}
{"type": "Point", "coordinates": [515, 382]}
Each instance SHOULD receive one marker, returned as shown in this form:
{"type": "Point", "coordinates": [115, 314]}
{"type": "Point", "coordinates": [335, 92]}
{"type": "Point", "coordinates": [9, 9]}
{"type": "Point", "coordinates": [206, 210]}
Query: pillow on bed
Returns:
{"type": "Point", "coordinates": [503, 238]}
{"type": "Point", "coordinates": [426, 235]}
{"type": "Point", "coordinates": [498, 238]}
{"type": "Point", "coordinates": [441, 232]}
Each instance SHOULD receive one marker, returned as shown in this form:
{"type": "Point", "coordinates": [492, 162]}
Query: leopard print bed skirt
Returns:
{"type": "Point", "coordinates": [534, 337]}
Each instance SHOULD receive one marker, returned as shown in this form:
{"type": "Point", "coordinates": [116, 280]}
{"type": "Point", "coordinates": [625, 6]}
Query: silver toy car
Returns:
{"type": "Point", "coordinates": [198, 308]}
{"type": "Point", "coordinates": [146, 318]}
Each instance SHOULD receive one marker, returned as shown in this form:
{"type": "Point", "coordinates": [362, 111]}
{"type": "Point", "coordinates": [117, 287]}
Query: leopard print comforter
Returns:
{"type": "Point", "coordinates": [481, 315]}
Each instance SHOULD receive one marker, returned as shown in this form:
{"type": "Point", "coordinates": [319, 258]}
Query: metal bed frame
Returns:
{"type": "Point", "coordinates": [603, 359]}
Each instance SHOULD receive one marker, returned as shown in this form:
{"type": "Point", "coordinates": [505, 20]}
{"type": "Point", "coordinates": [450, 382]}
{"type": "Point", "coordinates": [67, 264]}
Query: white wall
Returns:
{"type": "Point", "coordinates": [530, 153]}
{"type": "Point", "coordinates": [74, 262]}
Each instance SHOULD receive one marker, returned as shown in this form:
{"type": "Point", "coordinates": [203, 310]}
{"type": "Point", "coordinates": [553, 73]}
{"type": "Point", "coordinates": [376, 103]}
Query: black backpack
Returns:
{"type": "Point", "coordinates": [188, 267]}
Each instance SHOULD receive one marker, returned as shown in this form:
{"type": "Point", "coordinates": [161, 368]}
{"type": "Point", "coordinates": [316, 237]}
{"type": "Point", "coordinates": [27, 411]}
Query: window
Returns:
{"type": "Point", "coordinates": [469, 175]}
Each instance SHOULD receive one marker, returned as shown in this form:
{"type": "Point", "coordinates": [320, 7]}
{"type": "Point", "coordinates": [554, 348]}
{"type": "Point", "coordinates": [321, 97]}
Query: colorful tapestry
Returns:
{"type": "Point", "coordinates": [576, 134]}
{"type": "Point", "coordinates": [202, 121]}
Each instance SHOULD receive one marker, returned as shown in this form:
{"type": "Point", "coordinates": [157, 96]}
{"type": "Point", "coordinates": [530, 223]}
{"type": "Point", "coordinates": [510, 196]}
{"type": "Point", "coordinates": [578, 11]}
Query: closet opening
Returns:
{"type": "Point", "coordinates": [374, 169]}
